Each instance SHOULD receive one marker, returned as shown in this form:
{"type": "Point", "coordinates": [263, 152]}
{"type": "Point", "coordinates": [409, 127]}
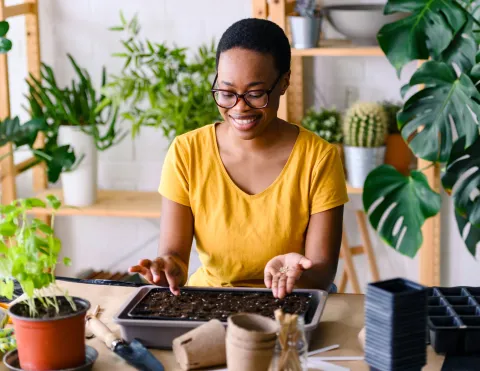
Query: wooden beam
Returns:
{"type": "Point", "coordinates": [259, 9]}
{"type": "Point", "coordinates": [26, 164]}
{"type": "Point", "coordinates": [276, 10]}
{"type": "Point", "coordinates": [16, 10]}
{"type": "Point", "coordinates": [7, 167]}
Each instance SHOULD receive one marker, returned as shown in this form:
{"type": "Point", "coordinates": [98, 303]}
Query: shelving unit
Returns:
{"type": "Point", "coordinates": [292, 109]}
{"type": "Point", "coordinates": [147, 204]}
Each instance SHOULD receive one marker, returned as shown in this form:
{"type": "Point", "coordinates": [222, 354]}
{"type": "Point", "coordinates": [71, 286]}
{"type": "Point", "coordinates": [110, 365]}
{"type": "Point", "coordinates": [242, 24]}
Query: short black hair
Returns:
{"type": "Point", "coordinates": [259, 35]}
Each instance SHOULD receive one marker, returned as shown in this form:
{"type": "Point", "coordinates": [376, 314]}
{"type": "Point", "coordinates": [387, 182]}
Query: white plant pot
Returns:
{"type": "Point", "coordinates": [305, 31]}
{"type": "Point", "coordinates": [359, 161]}
{"type": "Point", "coordinates": [80, 185]}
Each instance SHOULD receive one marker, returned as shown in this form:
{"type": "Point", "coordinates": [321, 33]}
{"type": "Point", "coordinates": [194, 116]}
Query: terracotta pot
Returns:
{"type": "Point", "coordinates": [398, 154]}
{"type": "Point", "coordinates": [51, 343]}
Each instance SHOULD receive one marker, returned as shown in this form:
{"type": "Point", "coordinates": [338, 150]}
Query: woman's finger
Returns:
{"type": "Point", "coordinates": [146, 273]}
{"type": "Point", "coordinates": [173, 274]}
{"type": "Point", "coordinates": [157, 267]}
{"type": "Point", "coordinates": [268, 277]}
{"type": "Point", "coordinates": [275, 279]}
{"type": "Point", "coordinates": [305, 263]}
{"type": "Point", "coordinates": [282, 282]}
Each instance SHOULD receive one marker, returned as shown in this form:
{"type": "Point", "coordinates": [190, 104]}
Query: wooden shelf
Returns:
{"type": "Point", "coordinates": [354, 191]}
{"type": "Point", "coordinates": [339, 48]}
{"type": "Point", "coordinates": [127, 204]}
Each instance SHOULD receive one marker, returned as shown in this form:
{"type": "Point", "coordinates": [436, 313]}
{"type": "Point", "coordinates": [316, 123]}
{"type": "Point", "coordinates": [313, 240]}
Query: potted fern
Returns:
{"type": "Point", "coordinates": [365, 131]}
{"type": "Point", "coordinates": [49, 324]}
{"type": "Point", "coordinates": [75, 118]}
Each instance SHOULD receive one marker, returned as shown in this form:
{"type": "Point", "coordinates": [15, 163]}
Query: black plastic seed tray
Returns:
{"type": "Point", "coordinates": [454, 319]}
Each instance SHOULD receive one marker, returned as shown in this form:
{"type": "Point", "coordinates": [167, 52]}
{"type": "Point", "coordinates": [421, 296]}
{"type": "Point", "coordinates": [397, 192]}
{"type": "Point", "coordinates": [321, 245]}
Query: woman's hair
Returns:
{"type": "Point", "coordinates": [259, 35]}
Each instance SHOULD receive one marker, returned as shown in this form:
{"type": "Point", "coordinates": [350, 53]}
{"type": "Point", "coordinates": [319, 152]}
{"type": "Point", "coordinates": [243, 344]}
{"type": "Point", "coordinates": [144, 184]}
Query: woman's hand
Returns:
{"type": "Point", "coordinates": [167, 270]}
{"type": "Point", "coordinates": [283, 271]}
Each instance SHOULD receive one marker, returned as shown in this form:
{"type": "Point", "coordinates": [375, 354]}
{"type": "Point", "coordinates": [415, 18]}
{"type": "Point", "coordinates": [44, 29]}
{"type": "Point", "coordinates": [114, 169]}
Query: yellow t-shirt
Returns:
{"type": "Point", "coordinates": [237, 233]}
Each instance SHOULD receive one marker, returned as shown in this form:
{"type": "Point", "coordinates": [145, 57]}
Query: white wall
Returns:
{"type": "Point", "coordinates": [80, 28]}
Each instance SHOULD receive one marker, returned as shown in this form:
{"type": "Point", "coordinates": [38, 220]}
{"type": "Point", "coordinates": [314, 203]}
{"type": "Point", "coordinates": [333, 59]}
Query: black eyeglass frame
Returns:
{"type": "Point", "coordinates": [238, 96]}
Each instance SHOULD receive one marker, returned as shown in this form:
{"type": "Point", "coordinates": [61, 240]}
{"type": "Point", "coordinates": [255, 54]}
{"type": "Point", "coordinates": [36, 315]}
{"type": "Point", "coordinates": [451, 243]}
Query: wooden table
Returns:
{"type": "Point", "coordinates": [341, 322]}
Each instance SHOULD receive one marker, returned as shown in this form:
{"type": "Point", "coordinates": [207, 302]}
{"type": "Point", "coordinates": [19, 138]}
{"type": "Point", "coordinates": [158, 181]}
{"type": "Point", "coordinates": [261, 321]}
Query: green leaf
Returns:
{"type": "Point", "coordinates": [462, 180]}
{"type": "Point", "coordinates": [8, 229]}
{"type": "Point", "coordinates": [3, 248]}
{"type": "Point", "coordinates": [469, 233]}
{"type": "Point", "coordinates": [53, 201]}
{"type": "Point", "coordinates": [4, 27]}
{"type": "Point", "coordinates": [6, 288]}
{"type": "Point", "coordinates": [67, 262]}
{"type": "Point", "coordinates": [45, 229]}
{"type": "Point", "coordinates": [462, 49]}
{"type": "Point", "coordinates": [427, 31]}
{"type": "Point", "coordinates": [445, 101]}
{"type": "Point", "coordinates": [28, 287]}
{"type": "Point", "coordinates": [55, 245]}
{"type": "Point", "coordinates": [5, 45]}
{"type": "Point", "coordinates": [397, 206]}
{"type": "Point", "coordinates": [34, 202]}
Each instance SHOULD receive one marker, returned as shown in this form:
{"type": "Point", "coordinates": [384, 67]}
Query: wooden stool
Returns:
{"type": "Point", "coordinates": [347, 252]}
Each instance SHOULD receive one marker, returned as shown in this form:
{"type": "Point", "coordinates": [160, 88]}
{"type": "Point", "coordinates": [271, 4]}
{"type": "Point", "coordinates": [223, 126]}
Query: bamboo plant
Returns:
{"type": "Point", "coordinates": [439, 122]}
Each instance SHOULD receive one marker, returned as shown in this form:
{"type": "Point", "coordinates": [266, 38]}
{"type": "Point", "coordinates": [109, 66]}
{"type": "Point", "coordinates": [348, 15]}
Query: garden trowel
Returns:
{"type": "Point", "coordinates": [134, 353]}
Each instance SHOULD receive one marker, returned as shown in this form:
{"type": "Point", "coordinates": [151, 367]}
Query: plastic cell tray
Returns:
{"type": "Point", "coordinates": [454, 320]}
{"type": "Point", "coordinates": [159, 332]}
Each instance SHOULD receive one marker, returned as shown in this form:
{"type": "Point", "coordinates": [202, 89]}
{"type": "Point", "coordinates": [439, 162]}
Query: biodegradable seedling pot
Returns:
{"type": "Point", "coordinates": [157, 328]}
{"type": "Point", "coordinates": [50, 341]}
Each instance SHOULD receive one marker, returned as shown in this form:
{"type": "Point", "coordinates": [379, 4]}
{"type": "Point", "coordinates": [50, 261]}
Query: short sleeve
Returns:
{"type": "Point", "coordinates": [328, 188]}
{"type": "Point", "coordinates": [174, 181]}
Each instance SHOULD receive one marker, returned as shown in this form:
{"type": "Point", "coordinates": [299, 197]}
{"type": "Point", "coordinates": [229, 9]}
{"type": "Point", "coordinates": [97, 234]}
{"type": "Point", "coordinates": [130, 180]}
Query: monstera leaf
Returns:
{"type": "Point", "coordinates": [11, 131]}
{"type": "Point", "coordinates": [462, 50]}
{"type": "Point", "coordinates": [462, 180]}
{"type": "Point", "coordinates": [427, 31]}
{"type": "Point", "coordinates": [448, 107]}
{"type": "Point", "coordinates": [397, 206]}
{"type": "Point", "coordinates": [469, 233]}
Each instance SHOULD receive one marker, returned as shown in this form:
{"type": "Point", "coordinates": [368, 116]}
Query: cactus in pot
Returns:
{"type": "Point", "coordinates": [365, 131]}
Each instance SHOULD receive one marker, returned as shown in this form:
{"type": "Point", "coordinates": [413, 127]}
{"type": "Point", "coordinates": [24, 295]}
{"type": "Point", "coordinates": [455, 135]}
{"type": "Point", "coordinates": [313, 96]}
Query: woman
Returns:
{"type": "Point", "coordinates": [264, 198]}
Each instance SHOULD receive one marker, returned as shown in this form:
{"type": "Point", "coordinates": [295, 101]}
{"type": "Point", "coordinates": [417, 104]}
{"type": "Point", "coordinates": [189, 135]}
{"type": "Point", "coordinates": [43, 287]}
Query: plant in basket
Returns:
{"type": "Point", "coordinates": [49, 324]}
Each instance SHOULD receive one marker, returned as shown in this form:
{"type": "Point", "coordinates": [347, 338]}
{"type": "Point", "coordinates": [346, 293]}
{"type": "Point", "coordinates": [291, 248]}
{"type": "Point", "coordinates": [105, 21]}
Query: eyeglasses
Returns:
{"type": "Point", "coordinates": [253, 98]}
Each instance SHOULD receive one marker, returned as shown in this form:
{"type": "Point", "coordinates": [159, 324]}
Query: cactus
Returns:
{"type": "Point", "coordinates": [365, 125]}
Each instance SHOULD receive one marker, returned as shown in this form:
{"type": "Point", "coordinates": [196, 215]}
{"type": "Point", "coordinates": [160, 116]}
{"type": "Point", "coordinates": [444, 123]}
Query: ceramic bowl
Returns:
{"type": "Point", "coordinates": [360, 22]}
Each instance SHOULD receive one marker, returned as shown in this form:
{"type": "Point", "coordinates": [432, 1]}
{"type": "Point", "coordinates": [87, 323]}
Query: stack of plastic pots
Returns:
{"type": "Point", "coordinates": [395, 324]}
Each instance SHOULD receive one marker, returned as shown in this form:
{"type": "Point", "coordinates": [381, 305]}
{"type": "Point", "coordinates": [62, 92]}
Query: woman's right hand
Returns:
{"type": "Point", "coordinates": [167, 270]}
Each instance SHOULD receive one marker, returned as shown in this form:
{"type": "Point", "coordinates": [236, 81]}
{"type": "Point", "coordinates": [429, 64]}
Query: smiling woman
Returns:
{"type": "Point", "coordinates": [262, 197]}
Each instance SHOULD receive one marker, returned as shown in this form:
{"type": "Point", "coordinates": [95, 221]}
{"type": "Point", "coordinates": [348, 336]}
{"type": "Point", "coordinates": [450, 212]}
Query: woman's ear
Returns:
{"type": "Point", "coordinates": [285, 82]}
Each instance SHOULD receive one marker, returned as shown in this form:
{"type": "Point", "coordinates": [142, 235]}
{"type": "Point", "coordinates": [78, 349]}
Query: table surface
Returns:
{"type": "Point", "coordinates": [341, 322]}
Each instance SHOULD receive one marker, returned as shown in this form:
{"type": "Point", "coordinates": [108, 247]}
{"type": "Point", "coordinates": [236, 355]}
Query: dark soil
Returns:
{"type": "Point", "coordinates": [22, 309]}
{"type": "Point", "coordinates": [206, 305]}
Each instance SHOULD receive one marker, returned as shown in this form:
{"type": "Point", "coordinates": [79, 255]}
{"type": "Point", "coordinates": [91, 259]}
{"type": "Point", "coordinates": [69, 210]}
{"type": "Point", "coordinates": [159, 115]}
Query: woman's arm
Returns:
{"type": "Point", "coordinates": [170, 268]}
{"type": "Point", "coordinates": [322, 248]}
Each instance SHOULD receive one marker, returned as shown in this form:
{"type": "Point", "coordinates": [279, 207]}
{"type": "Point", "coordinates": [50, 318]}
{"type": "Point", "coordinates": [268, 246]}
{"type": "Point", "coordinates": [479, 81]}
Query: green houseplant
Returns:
{"type": "Point", "coordinates": [75, 117]}
{"type": "Point", "coordinates": [5, 44]}
{"type": "Point", "coordinates": [364, 134]}
{"type": "Point", "coordinates": [160, 87]}
{"type": "Point", "coordinates": [326, 123]}
{"type": "Point", "coordinates": [439, 121]}
{"type": "Point", "coordinates": [49, 327]}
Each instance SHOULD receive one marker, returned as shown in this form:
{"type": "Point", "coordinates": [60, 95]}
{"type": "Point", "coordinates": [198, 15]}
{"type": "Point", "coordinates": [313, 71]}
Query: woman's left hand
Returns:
{"type": "Point", "coordinates": [283, 271]}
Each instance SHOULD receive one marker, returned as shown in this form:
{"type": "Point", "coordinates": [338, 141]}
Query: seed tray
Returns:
{"type": "Point", "coordinates": [158, 329]}
{"type": "Point", "coordinates": [454, 319]}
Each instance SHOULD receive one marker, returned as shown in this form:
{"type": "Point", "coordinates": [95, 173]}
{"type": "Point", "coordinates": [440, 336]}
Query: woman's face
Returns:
{"type": "Point", "coordinates": [241, 71]}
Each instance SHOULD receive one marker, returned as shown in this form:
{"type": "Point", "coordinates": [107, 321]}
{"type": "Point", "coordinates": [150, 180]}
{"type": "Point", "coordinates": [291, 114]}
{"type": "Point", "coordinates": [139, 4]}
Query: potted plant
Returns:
{"type": "Point", "coordinates": [5, 44]}
{"type": "Point", "coordinates": [76, 117]}
{"type": "Point", "coordinates": [365, 131]}
{"type": "Point", "coordinates": [439, 122]}
{"type": "Point", "coordinates": [326, 123]}
{"type": "Point", "coordinates": [159, 87]}
{"type": "Point", "coordinates": [397, 152]}
{"type": "Point", "coordinates": [305, 24]}
{"type": "Point", "coordinates": [49, 327]}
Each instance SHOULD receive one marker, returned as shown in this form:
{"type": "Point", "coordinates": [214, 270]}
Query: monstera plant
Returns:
{"type": "Point", "coordinates": [439, 121]}
{"type": "Point", "coordinates": [5, 44]}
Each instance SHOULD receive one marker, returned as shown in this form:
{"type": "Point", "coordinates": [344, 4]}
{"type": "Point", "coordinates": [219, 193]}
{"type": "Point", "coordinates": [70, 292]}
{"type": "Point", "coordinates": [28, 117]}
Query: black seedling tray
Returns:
{"type": "Point", "coordinates": [203, 305]}
{"type": "Point", "coordinates": [454, 319]}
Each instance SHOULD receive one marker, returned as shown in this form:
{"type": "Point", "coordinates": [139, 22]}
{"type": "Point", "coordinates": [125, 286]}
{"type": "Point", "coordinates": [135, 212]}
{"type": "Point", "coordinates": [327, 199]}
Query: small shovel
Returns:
{"type": "Point", "coordinates": [134, 353]}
